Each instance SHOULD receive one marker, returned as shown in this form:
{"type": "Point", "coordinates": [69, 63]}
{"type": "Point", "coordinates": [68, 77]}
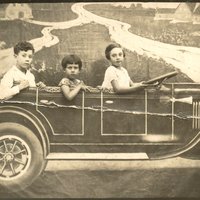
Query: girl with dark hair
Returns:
{"type": "Point", "coordinates": [70, 85]}
{"type": "Point", "coordinates": [116, 76]}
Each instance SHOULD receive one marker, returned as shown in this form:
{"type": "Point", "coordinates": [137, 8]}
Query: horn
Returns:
{"type": "Point", "coordinates": [183, 100]}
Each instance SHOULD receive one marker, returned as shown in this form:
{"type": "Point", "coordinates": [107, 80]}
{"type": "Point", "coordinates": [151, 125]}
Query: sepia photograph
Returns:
{"type": "Point", "coordinates": [99, 100]}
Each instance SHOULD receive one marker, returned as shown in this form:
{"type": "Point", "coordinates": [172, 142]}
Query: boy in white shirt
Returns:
{"type": "Point", "coordinates": [19, 76]}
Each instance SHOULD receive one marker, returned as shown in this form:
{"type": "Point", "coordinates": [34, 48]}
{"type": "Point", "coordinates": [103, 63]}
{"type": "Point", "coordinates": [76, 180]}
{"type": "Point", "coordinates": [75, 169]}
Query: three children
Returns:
{"type": "Point", "coordinates": [116, 76]}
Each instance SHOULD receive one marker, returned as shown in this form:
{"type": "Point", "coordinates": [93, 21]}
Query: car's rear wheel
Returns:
{"type": "Point", "coordinates": [21, 157]}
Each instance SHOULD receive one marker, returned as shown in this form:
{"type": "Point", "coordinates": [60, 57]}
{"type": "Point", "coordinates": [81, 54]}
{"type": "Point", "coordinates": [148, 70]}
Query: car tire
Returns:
{"type": "Point", "coordinates": [21, 157]}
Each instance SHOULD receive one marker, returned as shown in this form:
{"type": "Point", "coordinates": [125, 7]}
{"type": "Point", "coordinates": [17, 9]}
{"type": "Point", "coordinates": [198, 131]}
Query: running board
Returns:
{"type": "Point", "coordinates": [97, 156]}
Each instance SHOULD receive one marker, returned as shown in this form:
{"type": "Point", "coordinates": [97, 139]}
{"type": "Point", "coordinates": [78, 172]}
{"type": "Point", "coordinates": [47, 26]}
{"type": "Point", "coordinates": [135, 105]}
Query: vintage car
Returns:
{"type": "Point", "coordinates": [40, 125]}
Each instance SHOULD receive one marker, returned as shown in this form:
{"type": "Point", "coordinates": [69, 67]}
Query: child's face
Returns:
{"type": "Point", "coordinates": [24, 59]}
{"type": "Point", "coordinates": [72, 70]}
{"type": "Point", "coordinates": [116, 56]}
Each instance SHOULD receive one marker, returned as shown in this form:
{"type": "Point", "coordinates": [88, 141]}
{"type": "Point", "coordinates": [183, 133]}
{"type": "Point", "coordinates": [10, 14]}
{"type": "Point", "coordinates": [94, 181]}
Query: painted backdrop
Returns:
{"type": "Point", "coordinates": [157, 37]}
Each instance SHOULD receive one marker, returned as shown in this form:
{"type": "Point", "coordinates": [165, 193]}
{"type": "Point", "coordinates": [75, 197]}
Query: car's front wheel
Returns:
{"type": "Point", "coordinates": [21, 157]}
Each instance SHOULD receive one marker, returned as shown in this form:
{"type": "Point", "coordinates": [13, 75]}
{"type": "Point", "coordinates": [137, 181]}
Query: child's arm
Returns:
{"type": "Point", "coordinates": [7, 92]}
{"type": "Point", "coordinates": [13, 87]}
{"type": "Point", "coordinates": [23, 84]}
{"type": "Point", "coordinates": [133, 87]}
{"type": "Point", "coordinates": [70, 94]}
{"type": "Point", "coordinates": [7, 80]}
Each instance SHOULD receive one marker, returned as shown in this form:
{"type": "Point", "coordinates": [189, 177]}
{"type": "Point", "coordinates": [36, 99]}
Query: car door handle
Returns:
{"type": "Point", "coordinates": [109, 102]}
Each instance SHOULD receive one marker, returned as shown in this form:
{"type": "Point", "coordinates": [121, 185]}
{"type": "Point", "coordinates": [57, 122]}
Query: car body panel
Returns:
{"type": "Point", "coordinates": [155, 122]}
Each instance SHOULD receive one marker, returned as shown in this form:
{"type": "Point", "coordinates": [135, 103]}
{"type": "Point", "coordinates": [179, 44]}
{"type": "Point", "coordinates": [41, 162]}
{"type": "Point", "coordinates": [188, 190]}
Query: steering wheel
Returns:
{"type": "Point", "coordinates": [161, 78]}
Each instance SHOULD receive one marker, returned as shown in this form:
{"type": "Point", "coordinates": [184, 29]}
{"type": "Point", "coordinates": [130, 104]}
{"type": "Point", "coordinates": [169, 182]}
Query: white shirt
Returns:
{"type": "Point", "coordinates": [6, 92]}
{"type": "Point", "coordinates": [11, 79]}
{"type": "Point", "coordinates": [118, 74]}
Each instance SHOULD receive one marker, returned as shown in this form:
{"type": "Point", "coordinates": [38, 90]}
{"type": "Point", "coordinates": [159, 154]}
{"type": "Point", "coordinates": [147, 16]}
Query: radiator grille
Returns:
{"type": "Point", "coordinates": [196, 115]}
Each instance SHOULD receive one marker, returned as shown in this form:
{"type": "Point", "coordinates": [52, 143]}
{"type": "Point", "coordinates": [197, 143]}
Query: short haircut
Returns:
{"type": "Point", "coordinates": [23, 46]}
{"type": "Point", "coordinates": [109, 49]}
{"type": "Point", "coordinates": [71, 59]}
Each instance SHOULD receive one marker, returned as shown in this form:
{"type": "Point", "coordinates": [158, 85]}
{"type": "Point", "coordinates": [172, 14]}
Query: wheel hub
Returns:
{"type": "Point", "coordinates": [9, 157]}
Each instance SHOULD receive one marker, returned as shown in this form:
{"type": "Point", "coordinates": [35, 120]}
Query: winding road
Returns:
{"type": "Point", "coordinates": [186, 59]}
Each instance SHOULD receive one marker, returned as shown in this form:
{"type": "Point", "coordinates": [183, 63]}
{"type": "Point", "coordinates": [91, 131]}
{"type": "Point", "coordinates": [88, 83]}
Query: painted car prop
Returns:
{"type": "Point", "coordinates": [41, 125]}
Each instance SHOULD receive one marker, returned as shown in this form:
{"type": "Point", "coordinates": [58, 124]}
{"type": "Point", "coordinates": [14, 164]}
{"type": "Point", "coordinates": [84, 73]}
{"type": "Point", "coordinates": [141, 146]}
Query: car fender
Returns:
{"type": "Point", "coordinates": [195, 142]}
{"type": "Point", "coordinates": [37, 123]}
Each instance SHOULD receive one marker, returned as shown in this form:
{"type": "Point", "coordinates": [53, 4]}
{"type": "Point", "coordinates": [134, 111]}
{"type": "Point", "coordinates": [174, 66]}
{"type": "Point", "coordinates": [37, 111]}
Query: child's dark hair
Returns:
{"type": "Point", "coordinates": [109, 49]}
{"type": "Point", "coordinates": [71, 59]}
{"type": "Point", "coordinates": [23, 46]}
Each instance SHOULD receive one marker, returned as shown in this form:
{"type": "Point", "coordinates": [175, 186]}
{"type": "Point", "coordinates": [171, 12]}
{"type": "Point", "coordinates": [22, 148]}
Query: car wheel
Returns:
{"type": "Point", "coordinates": [21, 157]}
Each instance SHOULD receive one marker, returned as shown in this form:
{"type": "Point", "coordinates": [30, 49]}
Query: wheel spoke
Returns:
{"type": "Point", "coordinates": [19, 161]}
{"type": "Point", "coordinates": [3, 168]}
{"type": "Point", "coordinates": [6, 148]}
{"type": "Point", "coordinates": [16, 153]}
{"type": "Point", "coordinates": [13, 146]}
{"type": "Point", "coordinates": [12, 168]}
